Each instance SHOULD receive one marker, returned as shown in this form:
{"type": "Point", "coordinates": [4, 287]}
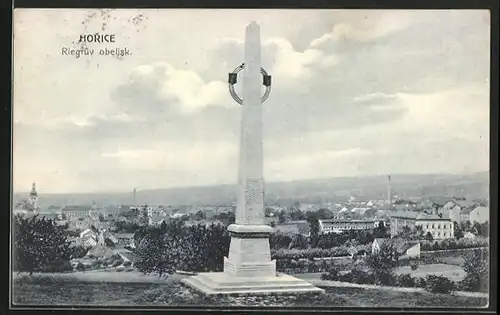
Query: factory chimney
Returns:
{"type": "Point", "coordinates": [389, 192]}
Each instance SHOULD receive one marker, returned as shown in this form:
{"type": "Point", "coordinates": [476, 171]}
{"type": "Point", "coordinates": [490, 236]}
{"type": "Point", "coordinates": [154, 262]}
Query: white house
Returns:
{"type": "Point", "coordinates": [405, 249]}
{"type": "Point", "coordinates": [469, 235]}
{"type": "Point", "coordinates": [439, 226]}
{"type": "Point", "coordinates": [480, 214]}
{"type": "Point", "coordinates": [338, 226]}
{"type": "Point", "coordinates": [452, 209]}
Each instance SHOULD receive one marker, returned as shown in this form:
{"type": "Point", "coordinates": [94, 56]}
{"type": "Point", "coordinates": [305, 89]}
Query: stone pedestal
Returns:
{"type": "Point", "coordinates": [222, 283]}
{"type": "Point", "coordinates": [248, 269]}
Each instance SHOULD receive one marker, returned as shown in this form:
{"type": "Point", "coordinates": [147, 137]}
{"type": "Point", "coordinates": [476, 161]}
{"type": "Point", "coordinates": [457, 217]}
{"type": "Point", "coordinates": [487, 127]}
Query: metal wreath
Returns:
{"type": "Point", "coordinates": [235, 96]}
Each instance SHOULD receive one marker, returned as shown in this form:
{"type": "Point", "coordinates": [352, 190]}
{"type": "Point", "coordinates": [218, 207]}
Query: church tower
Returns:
{"type": "Point", "coordinates": [33, 199]}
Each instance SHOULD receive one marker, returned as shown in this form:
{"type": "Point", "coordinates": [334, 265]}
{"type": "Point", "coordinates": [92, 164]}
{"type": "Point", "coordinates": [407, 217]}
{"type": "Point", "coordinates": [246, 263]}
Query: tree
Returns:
{"type": "Point", "coordinates": [39, 243]}
{"type": "Point", "coordinates": [428, 236]}
{"type": "Point", "coordinates": [125, 226]}
{"type": "Point", "coordinates": [458, 231]}
{"type": "Point", "coordinates": [297, 215]}
{"type": "Point", "coordinates": [480, 229]}
{"type": "Point", "coordinates": [279, 240]}
{"type": "Point", "coordinates": [299, 242]}
{"type": "Point", "coordinates": [171, 247]}
{"type": "Point", "coordinates": [281, 217]}
{"type": "Point", "coordinates": [380, 231]}
{"type": "Point", "coordinates": [476, 270]}
{"type": "Point", "coordinates": [409, 233]}
{"type": "Point", "coordinates": [383, 262]}
{"type": "Point", "coordinates": [468, 226]}
{"type": "Point", "coordinates": [268, 211]}
{"type": "Point", "coordinates": [314, 230]}
{"type": "Point", "coordinates": [200, 215]}
{"type": "Point", "coordinates": [227, 218]}
{"type": "Point", "coordinates": [322, 214]}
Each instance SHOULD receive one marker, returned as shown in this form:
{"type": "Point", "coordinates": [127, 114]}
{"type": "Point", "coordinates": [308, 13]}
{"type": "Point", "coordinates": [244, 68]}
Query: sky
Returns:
{"type": "Point", "coordinates": [355, 93]}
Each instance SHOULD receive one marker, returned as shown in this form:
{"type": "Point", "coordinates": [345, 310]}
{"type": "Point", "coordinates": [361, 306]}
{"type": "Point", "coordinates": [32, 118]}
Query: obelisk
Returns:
{"type": "Point", "coordinates": [248, 269]}
{"type": "Point", "coordinates": [249, 252]}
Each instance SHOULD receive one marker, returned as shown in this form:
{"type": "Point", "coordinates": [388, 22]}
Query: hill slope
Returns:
{"type": "Point", "coordinates": [335, 189]}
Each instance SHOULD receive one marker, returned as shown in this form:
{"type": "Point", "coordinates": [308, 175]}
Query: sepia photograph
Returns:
{"type": "Point", "coordinates": [250, 158]}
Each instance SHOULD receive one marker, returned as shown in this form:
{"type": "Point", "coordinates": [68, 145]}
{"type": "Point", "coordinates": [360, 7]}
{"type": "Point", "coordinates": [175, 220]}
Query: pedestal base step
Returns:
{"type": "Point", "coordinates": [220, 283]}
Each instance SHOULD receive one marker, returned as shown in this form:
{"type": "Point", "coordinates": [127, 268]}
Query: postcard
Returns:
{"type": "Point", "coordinates": [249, 158]}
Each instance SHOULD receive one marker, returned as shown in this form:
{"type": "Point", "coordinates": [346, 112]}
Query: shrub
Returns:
{"type": "Point", "coordinates": [80, 267]}
{"type": "Point", "coordinates": [385, 278]}
{"type": "Point", "coordinates": [420, 282]}
{"type": "Point", "coordinates": [405, 280]}
{"type": "Point", "coordinates": [439, 284]}
{"type": "Point", "coordinates": [476, 269]}
{"type": "Point", "coordinates": [57, 267]}
{"type": "Point", "coordinates": [162, 250]}
{"type": "Point", "coordinates": [38, 243]}
{"type": "Point", "coordinates": [362, 277]}
{"type": "Point", "coordinates": [346, 277]}
{"type": "Point", "coordinates": [116, 263]}
{"type": "Point", "coordinates": [414, 265]}
{"type": "Point", "coordinates": [127, 263]}
{"type": "Point", "coordinates": [79, 251]}
{"type": "Point", "coordinates": [331, 274]}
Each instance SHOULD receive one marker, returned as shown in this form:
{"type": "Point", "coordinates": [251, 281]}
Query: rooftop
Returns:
{"type": "Point", "coordinates": [77, 208]}
{"type": "Point", "coordinates": [346, 221]}
{"type": "Point", "coordinates": [413, 215]}
{"type": "Point", "coordinates": [399, 244]}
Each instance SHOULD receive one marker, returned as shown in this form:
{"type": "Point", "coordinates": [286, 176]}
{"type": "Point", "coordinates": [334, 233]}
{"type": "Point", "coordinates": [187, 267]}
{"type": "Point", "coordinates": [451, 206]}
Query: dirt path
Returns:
{"type": "Point", "coordinates": [107, 275]}
{"type": "Point", "coordinates": [328, 283]}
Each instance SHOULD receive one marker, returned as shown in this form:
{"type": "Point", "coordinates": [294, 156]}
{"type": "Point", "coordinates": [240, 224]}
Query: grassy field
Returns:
{"type": "Point", "coordinates": [452, 272]}
{"type": "Point", "coordinates": [68, 292]}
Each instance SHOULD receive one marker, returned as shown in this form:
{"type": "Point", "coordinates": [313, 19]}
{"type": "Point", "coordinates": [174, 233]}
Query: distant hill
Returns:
{"type": "Point", "coordinates": [473, 186]}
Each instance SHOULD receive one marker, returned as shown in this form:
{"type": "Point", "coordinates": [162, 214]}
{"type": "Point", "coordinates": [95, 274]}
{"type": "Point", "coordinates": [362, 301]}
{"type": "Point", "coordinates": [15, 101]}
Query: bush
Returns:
{"type": "Point", "coordinates": [174, 246]}
{"type": "Point", "coordinates": [127, 263]}
{"type": "Point", "coordinates": [116, 263]}
{"type": "Point", "coordinates": [80, 267]}
{"type": "Point", "coordinates": [57, 267]}
{"type": "Point", "coordinates": [346, 277]}
{"type": "Point", "coordinates": [38, 243]}
{"type": "Point", "coordinates": [332, 275]}
{"type": "Point", "coordinates": [476, 269]}
{"type": "Point", "coordinates": [405, 280]}
{"type": "Point", "coordinates": [420, 282]}
{"type": "Point", "coordinates": [79, 251]}
{"type": "Point", "coordinates": [385, 278]}
{"type": "Point", "coordinates": [362, 277]}
{"type": "Point", "coordinates": [414, 265]}
{"type": "Point", "coordinates": [439, 284]}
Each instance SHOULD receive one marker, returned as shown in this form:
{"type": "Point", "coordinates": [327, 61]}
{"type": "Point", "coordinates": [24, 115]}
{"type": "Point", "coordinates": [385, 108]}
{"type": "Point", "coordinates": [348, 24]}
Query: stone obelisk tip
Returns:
{"type": "Point", "coordinates": [253, 24]}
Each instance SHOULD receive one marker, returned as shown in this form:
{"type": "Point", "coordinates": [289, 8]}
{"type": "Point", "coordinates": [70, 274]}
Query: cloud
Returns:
{"type": "Point", "coordinates": [410, 87]}
{"type": "Point", "coordinates": [160, 88]}
{"type": "Point", "coordinates": [373, 97]}
{"type": "Point", "coordinates": [365, 26]}
{"type": "Point", "coordinates": [171, 155]}
{"type": "Point", "coordinates": [290, 64]}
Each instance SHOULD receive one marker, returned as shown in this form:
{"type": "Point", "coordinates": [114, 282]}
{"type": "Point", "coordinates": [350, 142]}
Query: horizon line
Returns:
{"type": "Point", "coordinates": [271, 182]}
